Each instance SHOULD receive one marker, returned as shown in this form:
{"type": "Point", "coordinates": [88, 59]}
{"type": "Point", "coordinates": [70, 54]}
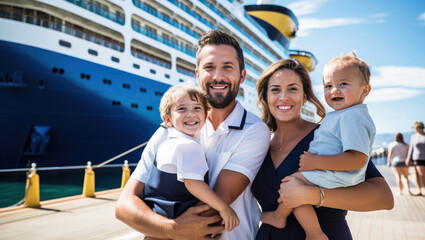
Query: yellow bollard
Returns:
{"type": "Point", "coordinates": [125, 174]}
{"type": "Point", "coordinates": [88, 186]}
{"type": "Point", "coordinates": [32, 188]}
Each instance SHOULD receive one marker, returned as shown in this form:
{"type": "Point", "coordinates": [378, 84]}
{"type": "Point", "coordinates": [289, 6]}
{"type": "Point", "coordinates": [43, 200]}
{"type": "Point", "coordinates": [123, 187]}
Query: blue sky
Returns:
{"type": "Point", "coordinates": [388, 35]}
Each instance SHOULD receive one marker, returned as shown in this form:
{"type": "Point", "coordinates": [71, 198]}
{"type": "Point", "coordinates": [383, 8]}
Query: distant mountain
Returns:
{"type": "Point", "coordinates": [382, 140]}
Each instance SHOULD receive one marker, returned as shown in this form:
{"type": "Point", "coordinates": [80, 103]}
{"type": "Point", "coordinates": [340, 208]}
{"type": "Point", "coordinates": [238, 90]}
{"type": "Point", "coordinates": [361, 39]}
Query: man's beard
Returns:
{"type": "Point", "coordinates": [218, 100]}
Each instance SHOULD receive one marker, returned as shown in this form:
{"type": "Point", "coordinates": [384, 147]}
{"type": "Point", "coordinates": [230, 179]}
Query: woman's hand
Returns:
{"type": "Point", "coordinates": [293, 193]}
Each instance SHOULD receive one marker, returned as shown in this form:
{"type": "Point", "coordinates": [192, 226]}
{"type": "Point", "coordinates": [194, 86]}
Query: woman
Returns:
{"type": "Point", "coordinates": [397, 154]}
{"type": "Point", "coordinates": [282, 90]}
{"type": "Point", "coordinates": [417, 154]}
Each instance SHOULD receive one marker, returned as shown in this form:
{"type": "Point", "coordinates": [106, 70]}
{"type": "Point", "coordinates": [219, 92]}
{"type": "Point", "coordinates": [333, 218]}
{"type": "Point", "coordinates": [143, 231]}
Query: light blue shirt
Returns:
{"type": "Point", "coordinates": [347, 129]}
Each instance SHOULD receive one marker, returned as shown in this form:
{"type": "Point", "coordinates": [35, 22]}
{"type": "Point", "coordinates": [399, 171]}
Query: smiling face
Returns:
{"type": "Point", "coordinates": [344, 87]}
{"type": "Point", "coordinates": [219, 75]}
{"type": "Point", "coordinates": [285, 95]}
{"type": "Point", "coordinates": [186, 115]}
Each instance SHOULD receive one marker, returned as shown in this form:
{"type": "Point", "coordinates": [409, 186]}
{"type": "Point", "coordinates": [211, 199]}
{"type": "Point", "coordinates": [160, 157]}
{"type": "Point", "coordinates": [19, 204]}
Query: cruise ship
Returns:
{"type": "Point", "coordinates": [81, 80]}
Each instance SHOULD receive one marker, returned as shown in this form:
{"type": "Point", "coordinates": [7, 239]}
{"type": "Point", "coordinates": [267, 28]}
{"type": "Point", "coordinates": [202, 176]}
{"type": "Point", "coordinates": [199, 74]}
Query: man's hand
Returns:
{"type": "Point", "coordinates": [190, 225]}
{"type": "Point", "coordinates": [307, 161]}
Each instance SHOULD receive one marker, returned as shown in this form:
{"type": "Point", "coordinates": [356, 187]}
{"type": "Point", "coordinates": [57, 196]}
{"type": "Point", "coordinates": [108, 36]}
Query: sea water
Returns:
{"type": "Point", "coordinates": [56, 184]}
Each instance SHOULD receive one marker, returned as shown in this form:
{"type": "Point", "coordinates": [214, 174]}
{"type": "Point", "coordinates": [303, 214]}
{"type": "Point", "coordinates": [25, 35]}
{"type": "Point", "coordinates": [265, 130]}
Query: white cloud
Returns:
{"type": "Point", "coordinates": [306, 24]}
{"type": "Point", "coordinates": [390, 83]}
{"type": "Point", "coordinates": [422, 17]}
{"type": "Point", "coordinates": [395, 76]}
{"type": "Point", "coordinates": [392, 94]}
{"type": "Point", "coordinates": [306, 7]}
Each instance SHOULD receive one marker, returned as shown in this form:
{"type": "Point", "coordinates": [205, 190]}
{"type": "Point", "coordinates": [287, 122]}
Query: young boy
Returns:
{"type": "Point", "coordinates": [339, 152]}
{"type": "Point", "coordinates": [180, 160]}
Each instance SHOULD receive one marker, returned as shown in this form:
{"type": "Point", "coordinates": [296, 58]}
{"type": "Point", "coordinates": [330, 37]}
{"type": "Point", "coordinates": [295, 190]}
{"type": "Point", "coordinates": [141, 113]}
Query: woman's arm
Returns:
{"type": "Point", "coordinates": [390, 155]}
{"type": "Point", "coordinates": [372, 194]}
{"type": "Point", "coordinates": [131, 210]}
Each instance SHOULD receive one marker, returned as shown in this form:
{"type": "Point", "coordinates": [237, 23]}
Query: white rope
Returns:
{"type": "Point", "coordinates": [120, 155]}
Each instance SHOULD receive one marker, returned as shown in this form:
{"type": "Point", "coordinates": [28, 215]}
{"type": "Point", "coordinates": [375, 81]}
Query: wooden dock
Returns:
{"type": "Point", "coordinates": [405, 221]}
{"type": "Point", "coordinates": [93, 218]}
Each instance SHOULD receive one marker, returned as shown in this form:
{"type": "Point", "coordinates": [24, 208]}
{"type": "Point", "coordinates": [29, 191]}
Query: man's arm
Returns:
{"type": "Point", "coordinates": [230, 185]}
{"type": "Point", "coordinates": [131, 210]}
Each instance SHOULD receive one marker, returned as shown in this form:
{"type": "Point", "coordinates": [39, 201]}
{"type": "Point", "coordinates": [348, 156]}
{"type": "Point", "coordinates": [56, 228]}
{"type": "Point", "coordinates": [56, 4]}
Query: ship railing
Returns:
{"type": "Point", "coordinates": [153, 35]}
{"type": "Point", "coordinates": [245, 50]}
{"type": "Point", "coordinates": [147, 57]}
{"type": "Point", "coordinates": [165, 18]}
{"type": "Point", "coordinates": [101, 10]}
{"type": "Point", "coordinates": [251, 69]}
{"type": "Point", "coordinates": [192, 13]}
{"type": "Point", "coordinates": [43, 19]}
{"type": "Point", "coordinates": [186, 72]}
{"type": "Point", "coordinates": [237, 27]}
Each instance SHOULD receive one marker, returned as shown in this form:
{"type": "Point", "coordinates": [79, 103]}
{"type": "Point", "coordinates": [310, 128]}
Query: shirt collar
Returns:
{"type": "Point", "coordinates": [236, 119]}
{"type": "Point", "coordinates": [174, 133]}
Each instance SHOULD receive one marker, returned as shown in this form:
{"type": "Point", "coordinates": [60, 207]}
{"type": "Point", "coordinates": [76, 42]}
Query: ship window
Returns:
{"type": "Point", "coordinates": [107, 81]}
{"type": "Point", "coordinates": [54, 70]}
{"type": "Point", "coordinates": [136, 66]}
{"type": "Point", "coordinates": [83, 75]}
{"type": "Point", "coordinates": [65, 43]}
{"type": "Point", "coordinates": [167, 76]}
{"type": "Point", "coordinates": [143, 89]}
{"type": "Point", "coordinates": [93, 52]}
{"type": "Point", "coordinates": [115, 59]}
{"type": "Point", "coordinates": [41, 83]}
{"type": "Point", "coordinates": [116, 103]}
{"type": "Point", "coordinates": [153, 71]}
{"type": "Point", "coordinates": [181, 80]}
{"type": "Point", "coordinates": [61, 71]}
{"type": "Point", "coordinates": [149, 108]}
{"type": "Point", "coordinates": [88, 76]}
{"type": "Point", "coordinates": [158, 93]}
{"type": "Point", "coordinates": [134, 105]}
{"type": "Point", "coordinates": [125, 85]}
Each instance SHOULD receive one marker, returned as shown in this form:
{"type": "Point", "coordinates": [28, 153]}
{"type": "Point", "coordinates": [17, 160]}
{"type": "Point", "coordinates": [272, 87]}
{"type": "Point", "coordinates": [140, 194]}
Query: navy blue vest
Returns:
{"type": "Point", "coordinates": [167, 196]}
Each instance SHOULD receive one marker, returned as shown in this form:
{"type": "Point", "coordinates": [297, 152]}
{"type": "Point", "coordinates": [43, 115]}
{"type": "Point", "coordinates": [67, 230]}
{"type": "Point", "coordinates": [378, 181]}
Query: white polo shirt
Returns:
{"type": "Point", "coordinates": [239, 144]}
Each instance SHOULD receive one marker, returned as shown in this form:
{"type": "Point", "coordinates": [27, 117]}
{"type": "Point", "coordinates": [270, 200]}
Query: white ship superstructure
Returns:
{"type": "Point", "coordinates": [82, 79]}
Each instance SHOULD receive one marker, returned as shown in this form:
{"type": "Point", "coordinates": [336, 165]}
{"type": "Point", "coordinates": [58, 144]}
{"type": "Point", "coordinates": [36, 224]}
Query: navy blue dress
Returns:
{"type": "Point", "coordinates": [265, 189]}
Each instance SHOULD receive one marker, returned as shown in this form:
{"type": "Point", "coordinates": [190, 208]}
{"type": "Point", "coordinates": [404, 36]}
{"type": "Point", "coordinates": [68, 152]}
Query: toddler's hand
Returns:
{"type": "Point", "coordinates": [307, 161]}
{"type": "Point", "coordinates": [230, 218]}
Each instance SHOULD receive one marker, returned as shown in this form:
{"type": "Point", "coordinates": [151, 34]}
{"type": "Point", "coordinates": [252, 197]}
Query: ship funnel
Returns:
{"type": "Point", "coordinates": [280, 23]}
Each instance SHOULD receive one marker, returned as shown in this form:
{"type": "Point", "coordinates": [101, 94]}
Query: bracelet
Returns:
{"type": "Point", "coordinates": [322, 197]}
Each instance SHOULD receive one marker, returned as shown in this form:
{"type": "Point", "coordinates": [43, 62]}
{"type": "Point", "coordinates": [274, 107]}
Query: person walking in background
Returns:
{"type": "Point", "coordinates": [417, 154]}
{"type": "Point", "coordinates": [397, 154]}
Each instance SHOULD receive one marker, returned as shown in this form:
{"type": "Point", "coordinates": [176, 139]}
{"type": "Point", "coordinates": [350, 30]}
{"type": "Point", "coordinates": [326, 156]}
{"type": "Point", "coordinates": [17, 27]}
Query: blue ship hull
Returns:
{"type": "Point", "coordinates": [89, 114]}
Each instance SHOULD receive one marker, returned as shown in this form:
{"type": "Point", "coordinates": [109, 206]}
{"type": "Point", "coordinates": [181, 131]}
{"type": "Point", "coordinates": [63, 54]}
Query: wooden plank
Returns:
{"type": "Point", "coordinates": [405, 221]}
{"type": "Point", "coordinates": [93, 218]}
